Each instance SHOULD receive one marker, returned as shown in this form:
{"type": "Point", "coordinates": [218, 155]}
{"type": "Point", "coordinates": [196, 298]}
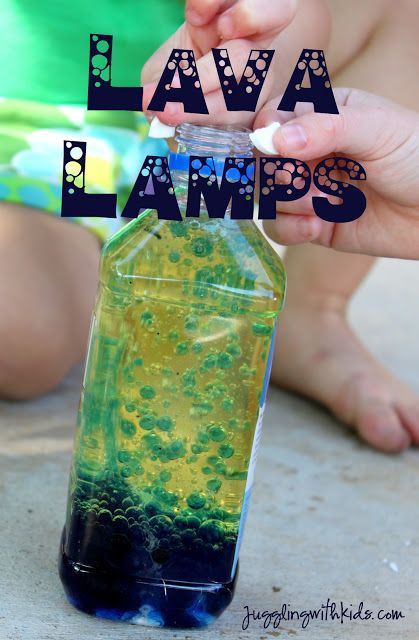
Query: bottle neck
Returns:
{"type": "Point", "coordinates": [214, 141]}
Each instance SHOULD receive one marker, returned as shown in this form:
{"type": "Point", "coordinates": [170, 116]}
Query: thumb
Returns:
{"type": "Point", "coordinates": [367, 127]}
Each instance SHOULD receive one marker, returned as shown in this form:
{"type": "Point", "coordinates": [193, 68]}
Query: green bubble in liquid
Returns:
{"type": "Point", "coordinates": [217, 433]}
{"type": "Point", "coordinates": [221, 468]}
{"type": "Point", "coordinates": [165, 423]}
{"type": "Point", "coordinates": [202, 247]}
{"type": "Point", "coordinates": [214, 484]}
{"type": "Point", "coordinates": [151, 440]}
{"type": "Point", "coordinates": [128, 428]}
{"type": "Point", "coordinates": [147, 392]}
{"type": "Point", "coordinates": [193, 522]}
{"type": "Point", "coordinates": [227, 404]}
{"type": "Point", "coordinates": [234, 350]}
{"type": "Point", "coordinates": [175, 450]}
{"type": "Point", "coordinates": [174, 256]}
{"type": "Point", "coordinates": [146, 318]}
{"type": "Point", "coordinates": [191, 323]}
{"type": "Point", "coordinates": [211, 531]}
{"type": "Point", "coordinates": [127, 502]}
{"type": "Point", "coordinates": [260, 329]}
{"type": "Point", "coordinates": [196, 500]}
{"type": "Point", "coordinates": [224, 360]}
{"type": "Point", "coordinates": [197, 347]}
{"type": "Point", "coordinates": [182, 348]}
{"type": "Point", "coordinates": [196, 448]}
{"type": "Point", "coordinates": [178, 229]}
{"type": "Point", "coordinates": [147, 422]}
{"type": "Point", "coordinates": [200, 409]}
{"type": "Point", "coordinates": [226, 450]}
{"type": "Point", "coordinates": [189, 378]}
{"type": "Point", "coordinates": [209, 362]}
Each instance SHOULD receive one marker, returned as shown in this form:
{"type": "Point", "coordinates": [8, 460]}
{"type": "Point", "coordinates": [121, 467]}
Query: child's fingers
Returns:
{"type": "Point", "coordinates": [171, 110]}
{"type": "Point", "coordinates": [200, 12]}
{"type": "Point", "coordinates": [256, 17]}
{"type": "Point", "coordinates": [174, 113]}
{"type": "Point", "coordinates": [154, 66]}
{"type": "Point", "coordinates": [291, 228]}
{"type": "Point", "coordinates": [238, 51]}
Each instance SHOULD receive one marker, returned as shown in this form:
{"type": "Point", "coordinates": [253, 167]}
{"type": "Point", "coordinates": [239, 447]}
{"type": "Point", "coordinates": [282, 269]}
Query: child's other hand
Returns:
{"type": "Point", "coordinates": [239, 27]}
{"type": "Point", "coordinates": [384, 138]}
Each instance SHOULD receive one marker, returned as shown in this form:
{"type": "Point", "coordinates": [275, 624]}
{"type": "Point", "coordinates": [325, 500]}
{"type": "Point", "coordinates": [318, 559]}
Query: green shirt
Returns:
{"type": "Point", "coordinates": [44, 44]}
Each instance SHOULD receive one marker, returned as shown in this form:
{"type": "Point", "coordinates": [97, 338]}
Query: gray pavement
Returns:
{"type": "Point", "coordinates": [329, 517]}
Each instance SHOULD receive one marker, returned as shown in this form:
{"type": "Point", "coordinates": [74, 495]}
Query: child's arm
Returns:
{"type": "Point", "coordinates": [354, 23]}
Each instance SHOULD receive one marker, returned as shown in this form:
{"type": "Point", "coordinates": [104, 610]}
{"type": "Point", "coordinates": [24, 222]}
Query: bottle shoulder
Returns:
{"type": "Point", "coordinates": [233, 254]}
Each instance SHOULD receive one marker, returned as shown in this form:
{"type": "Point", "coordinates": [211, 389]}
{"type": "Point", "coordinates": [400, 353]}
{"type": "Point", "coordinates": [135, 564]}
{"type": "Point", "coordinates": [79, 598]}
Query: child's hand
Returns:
{"type": "Point", "coordinates": [384, 138]}
{"type": "Point", "coordinates": [239, 27]}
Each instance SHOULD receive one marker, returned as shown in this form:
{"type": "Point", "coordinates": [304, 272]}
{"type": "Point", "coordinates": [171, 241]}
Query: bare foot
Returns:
{"type": "Point", "coordinates": [318, 355]}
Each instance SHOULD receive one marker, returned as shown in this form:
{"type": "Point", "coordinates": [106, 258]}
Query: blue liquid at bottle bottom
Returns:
{"type": "Point", "coordinates": [96, 564]}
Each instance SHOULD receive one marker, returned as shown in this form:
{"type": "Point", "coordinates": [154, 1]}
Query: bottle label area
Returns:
{"type": "Point", "coordinates": [253, 456]}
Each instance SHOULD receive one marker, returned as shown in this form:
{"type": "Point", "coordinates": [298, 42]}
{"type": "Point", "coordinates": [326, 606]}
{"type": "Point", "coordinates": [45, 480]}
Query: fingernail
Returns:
{"type": "Point", "coordinates": [194, 17]}
{"type": "Point", "coordinates": [293, 135]}
{"type": "Point", "coordinates": [160, 130]}
{"type": "Point", "coordinates": [226, 27]}
{"type": "Point", "coordinates": [263, 138]}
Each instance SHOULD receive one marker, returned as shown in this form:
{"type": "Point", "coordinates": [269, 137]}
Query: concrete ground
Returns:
{"type": "Point", "coordinates": [329, 517]}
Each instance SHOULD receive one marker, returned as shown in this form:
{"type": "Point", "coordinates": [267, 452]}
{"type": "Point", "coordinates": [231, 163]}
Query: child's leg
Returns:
{"type": "Point", "coordinates": [48, 280]}
{"type": "Point", "coordinates": [319, 355]}
{"type": "Point", "coordinates": [49, 265]}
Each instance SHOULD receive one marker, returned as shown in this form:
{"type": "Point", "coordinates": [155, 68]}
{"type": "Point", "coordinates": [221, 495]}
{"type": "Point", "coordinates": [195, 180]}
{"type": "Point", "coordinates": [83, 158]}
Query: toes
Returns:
{"type": "Point", "coordinates": [409, 416]}
{"type": "Point", "coordinates": [380, 426]}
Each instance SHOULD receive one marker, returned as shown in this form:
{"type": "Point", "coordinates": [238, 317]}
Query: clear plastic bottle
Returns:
{"type": "Point", "coordinates": [170, 411]}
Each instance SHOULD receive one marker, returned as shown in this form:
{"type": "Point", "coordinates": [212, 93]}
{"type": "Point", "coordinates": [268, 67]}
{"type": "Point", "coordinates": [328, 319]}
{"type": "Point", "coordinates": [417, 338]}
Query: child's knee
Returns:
{"type": "Point", "coordinates": [38, 342]}
{"type": "Point", "coordinates": [47, 279]}
{"type": "Point", "coordinates": [34, 358]}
